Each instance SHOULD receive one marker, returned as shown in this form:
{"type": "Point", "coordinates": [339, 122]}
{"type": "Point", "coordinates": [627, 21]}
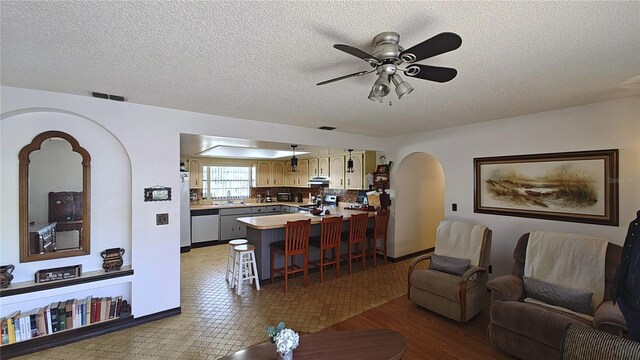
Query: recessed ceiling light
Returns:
{"type": "Point", "coordinates": [245, 152]}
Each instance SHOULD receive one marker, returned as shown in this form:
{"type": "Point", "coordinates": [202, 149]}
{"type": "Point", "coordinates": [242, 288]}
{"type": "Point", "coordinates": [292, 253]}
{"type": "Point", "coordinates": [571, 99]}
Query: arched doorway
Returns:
{"type": "Point", "coordinates": [419, 187]}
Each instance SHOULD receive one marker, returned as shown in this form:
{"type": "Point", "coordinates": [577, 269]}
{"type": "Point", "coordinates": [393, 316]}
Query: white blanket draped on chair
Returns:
{"type": "Point", "coordinates": [564, 259]}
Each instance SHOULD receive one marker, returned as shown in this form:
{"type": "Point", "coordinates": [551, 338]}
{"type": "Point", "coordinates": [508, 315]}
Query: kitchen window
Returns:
{"type": "Point", "coordinates": [227, 181]}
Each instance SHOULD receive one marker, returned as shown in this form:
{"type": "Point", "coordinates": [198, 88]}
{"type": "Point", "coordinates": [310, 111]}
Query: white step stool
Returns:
{"type": "Point", "coordinates": [231, 262]}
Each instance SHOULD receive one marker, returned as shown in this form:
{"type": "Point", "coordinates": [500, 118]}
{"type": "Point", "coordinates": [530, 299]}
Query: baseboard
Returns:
{"type": "Point", "coordinates": [10, 351]}
{"type": "Point", "coordinates": [409, 256]}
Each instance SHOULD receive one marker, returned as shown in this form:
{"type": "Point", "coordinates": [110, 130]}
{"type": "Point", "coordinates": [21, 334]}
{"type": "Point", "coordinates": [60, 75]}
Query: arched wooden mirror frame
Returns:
{"type": "Point", "coordinates": [23, 156]}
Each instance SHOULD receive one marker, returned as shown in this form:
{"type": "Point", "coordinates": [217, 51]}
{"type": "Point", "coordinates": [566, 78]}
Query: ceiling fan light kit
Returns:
{"type": "Point", "coordinates": [388, 55]}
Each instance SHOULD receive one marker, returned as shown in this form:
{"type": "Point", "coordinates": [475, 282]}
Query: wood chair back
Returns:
{"type": "Point", "coordinates": [358, 228]}
{"type": "Point", "coordinates": [382, 223]}
{"type": "Point", "coordinates": [330, 235]}
{"type": "Point", "coordinates": [296, 239]}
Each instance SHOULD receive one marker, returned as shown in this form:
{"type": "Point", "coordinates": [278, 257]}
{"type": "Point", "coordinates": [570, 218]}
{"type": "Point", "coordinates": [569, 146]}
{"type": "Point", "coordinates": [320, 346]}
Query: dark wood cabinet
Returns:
{"type": "Point", "coordinates": [42, 238]}
{"type": "Point", "coordinates": [65, 208]}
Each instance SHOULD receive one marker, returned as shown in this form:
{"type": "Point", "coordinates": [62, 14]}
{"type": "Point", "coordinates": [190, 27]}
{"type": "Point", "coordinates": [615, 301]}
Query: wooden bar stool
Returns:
{"type": "Point", "coordinates": [296, 242]}
{"type": "Point", "coordinates": [357, 235]}
{"type": "Point", "coordinates": [231, 261]}
{"type": "Point", "coordinates": [329, 240]}
{"type": "Point", "coordinates": [380, 234]}
{"type": "Point", "coordinates": [246, 268]}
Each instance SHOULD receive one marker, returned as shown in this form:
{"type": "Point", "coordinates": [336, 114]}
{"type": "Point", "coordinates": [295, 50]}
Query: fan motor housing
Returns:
{"type": "Point", "coordinates": [386, 46]}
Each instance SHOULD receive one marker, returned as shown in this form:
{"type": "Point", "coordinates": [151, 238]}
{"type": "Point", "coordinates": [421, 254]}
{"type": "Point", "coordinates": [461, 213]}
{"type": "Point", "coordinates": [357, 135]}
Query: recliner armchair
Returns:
{"type": "Point", "coordinates": [533, 330]}
{"type": "Point", "coordinates": [457, 296]}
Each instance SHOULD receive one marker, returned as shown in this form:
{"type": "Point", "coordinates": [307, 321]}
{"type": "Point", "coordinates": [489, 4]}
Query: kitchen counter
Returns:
{"type": "Point", "coordinates": [264, 230]}
{"type": "Point", "coordinates": [279, 221]}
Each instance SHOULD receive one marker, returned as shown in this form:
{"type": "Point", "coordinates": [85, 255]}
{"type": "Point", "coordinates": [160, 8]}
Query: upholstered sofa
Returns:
{"type": "Point", "coordinates": [535, 331]}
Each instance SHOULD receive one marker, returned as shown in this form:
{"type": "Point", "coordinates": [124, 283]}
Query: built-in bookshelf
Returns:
{"type": "Point", "coordinates": [60, 316]}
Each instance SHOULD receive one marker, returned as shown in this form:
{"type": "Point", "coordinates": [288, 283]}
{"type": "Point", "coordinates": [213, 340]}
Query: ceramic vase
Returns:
{"type": "Point", "coordinates": [5, 275]}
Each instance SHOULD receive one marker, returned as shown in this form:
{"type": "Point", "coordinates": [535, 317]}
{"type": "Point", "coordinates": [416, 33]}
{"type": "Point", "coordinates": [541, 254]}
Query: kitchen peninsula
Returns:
{"type": "Point", "coordinates": [264, 230]}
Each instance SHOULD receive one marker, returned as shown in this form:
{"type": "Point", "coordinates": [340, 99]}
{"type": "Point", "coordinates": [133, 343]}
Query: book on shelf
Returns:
{"type": "Point", "coordinates": [58, 316]}
{"type": "Point", "coordinates": [53, 310]}
{"type": "Point", "coordinates": [11, 326]}
{"type": "Point", "coordinates": [62, 316]}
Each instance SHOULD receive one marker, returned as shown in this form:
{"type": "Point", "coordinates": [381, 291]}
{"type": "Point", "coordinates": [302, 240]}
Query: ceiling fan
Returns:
{"type": "Point", "coordinates": [388, 55]}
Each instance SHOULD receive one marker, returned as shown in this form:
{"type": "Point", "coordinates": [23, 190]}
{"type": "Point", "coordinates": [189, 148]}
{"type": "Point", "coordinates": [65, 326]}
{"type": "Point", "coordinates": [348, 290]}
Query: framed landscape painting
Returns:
{"type": "Point", "coordinates": [577, 186]}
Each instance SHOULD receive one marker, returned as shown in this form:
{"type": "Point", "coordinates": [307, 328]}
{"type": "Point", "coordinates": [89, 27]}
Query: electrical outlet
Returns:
{"type": "Point", "coordinates": [162, 219]}
{"type": "Point", "coordinates": [454, 207]}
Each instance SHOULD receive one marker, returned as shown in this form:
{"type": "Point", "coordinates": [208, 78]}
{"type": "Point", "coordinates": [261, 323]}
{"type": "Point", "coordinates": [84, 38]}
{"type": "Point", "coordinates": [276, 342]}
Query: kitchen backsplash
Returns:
{"type": "Point", "coordinates": [343, 195]}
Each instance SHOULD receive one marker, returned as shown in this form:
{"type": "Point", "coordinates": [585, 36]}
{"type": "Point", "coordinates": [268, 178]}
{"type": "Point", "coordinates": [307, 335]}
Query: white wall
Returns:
{"type": "Point", "coordinates": [606, 125]}
{"type": "Point", "coordinates": [419, 205]}
{"type": "Point", "coordinates": [150, 137]}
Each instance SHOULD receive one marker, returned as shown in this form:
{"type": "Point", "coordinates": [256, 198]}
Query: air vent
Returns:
{"type": "Point", "coordinates": [327, 128]}
{"type": "Point", "coordinates": [108, 96]}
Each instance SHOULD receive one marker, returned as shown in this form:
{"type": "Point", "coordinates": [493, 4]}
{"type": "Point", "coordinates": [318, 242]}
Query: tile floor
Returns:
{"type": "Point", "coordinates": [215, 322]}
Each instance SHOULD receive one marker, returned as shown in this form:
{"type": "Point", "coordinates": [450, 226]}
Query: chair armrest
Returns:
{"type": "Point", "coordinates": [506, 288]}
{"type": "Point", "coordinates": [471, 271]}
{"type": "Point", "coordinates": [415, 261]}
{"type": "Point", "coordinates": [412, 266]}
{"type": "Point", "coordinates": [609, 318]}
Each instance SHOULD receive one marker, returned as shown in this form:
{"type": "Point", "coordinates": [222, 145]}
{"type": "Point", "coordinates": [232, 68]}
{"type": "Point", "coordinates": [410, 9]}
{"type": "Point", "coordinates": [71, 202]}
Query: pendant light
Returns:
{"type": "Point", "coordinates": [294, 159]}
{"type": "Point", "coordinates": [350, 162]}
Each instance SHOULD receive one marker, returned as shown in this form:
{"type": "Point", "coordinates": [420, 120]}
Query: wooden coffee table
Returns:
{"type": "Point", "coordinates": [382, 344]}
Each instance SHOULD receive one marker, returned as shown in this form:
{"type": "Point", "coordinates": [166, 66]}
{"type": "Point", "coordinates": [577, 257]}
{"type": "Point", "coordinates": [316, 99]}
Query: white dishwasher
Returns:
{"type": "Point", "coordinates": [205, 226]}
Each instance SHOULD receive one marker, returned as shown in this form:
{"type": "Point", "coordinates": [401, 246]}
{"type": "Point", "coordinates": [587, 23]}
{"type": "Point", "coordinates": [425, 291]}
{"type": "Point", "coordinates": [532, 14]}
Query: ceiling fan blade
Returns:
{"type": "Point", "coordinates": [359, 73]}
{"type": "Point", "coordinates": [437, 45]}
{"type": "Point", "coordinates": [433, 73]}
{"type": "Point", "coordinates": [356, 52]}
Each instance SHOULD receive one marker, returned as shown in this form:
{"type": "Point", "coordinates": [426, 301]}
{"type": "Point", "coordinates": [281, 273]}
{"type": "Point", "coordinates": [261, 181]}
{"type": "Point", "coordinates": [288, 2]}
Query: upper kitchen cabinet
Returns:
{"type": "Point", "coordinates": [336, 172]}
{"type": "Point", "coordinates": [323, 167]}
{"type": "Point", "coordinates": [195, 174]}
{"type": "Point", "coordinates": [363, 163]}
{"type": "Point", "coordinates": [270, 173]}
{"type": "Point", "coordinates": [300, 177]}
{"type": "Point", "coordinates": [263, 174]}
{"type": "Point", "coordinates": [313, 167]}
{"type": "Point", "coordinates": [277, 172]}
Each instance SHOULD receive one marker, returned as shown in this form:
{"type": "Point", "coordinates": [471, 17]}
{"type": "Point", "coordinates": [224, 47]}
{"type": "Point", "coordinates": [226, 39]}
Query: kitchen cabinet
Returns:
{"type": "Point", "coordinates": [263, 173]}
{"type": "Point", "coordinates": [277, 173]}
{"type": "Point", "coordinates": [313, 167]}
{"type": "Point", "coordinates": [270, 173]}
{"type": "Point", "coordinates": [363, 163]}
{"type": "Point", "coordinates": [323, 167]}
{"type": "Point", "coordinates": [195, 174]}
{"type": "Point", "coordinates": [355, 179]}
{"type": "Point", "coordinates": [336, 172]}
{"type": "Point", "coordinates": [300, 177]}
{"type": "Point", "coordinates": [230, 227]}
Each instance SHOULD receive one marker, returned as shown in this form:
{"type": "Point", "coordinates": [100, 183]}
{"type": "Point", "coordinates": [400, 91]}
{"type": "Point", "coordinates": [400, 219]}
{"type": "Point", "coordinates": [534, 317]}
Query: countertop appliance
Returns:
{"type": "Point", "coordinates": [285, 197]}
{"type": "Point", "coordinates": [268, 198]}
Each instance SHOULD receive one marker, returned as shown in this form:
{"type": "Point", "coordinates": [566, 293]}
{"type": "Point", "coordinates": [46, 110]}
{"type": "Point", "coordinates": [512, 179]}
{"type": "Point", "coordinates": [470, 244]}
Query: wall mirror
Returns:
{"type": "Point", "coordinates": [54, 198]}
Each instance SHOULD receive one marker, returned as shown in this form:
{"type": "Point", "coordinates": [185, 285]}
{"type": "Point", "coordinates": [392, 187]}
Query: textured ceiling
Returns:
{"type": "Point", "coordinates": [261, 60]}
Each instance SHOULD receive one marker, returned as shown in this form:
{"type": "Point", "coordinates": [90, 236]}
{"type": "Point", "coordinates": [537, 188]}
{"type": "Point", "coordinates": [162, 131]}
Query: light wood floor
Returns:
{"type": "Point", "coordinates": [429, 335]}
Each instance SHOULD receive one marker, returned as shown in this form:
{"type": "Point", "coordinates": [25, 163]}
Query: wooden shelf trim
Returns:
{"type": "Point", "coordinates": [31, 286]}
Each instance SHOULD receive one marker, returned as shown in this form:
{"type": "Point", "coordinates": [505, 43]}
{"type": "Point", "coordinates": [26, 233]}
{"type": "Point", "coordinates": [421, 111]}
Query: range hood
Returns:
{"type": "Point", "coordinates": [319, 180]}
